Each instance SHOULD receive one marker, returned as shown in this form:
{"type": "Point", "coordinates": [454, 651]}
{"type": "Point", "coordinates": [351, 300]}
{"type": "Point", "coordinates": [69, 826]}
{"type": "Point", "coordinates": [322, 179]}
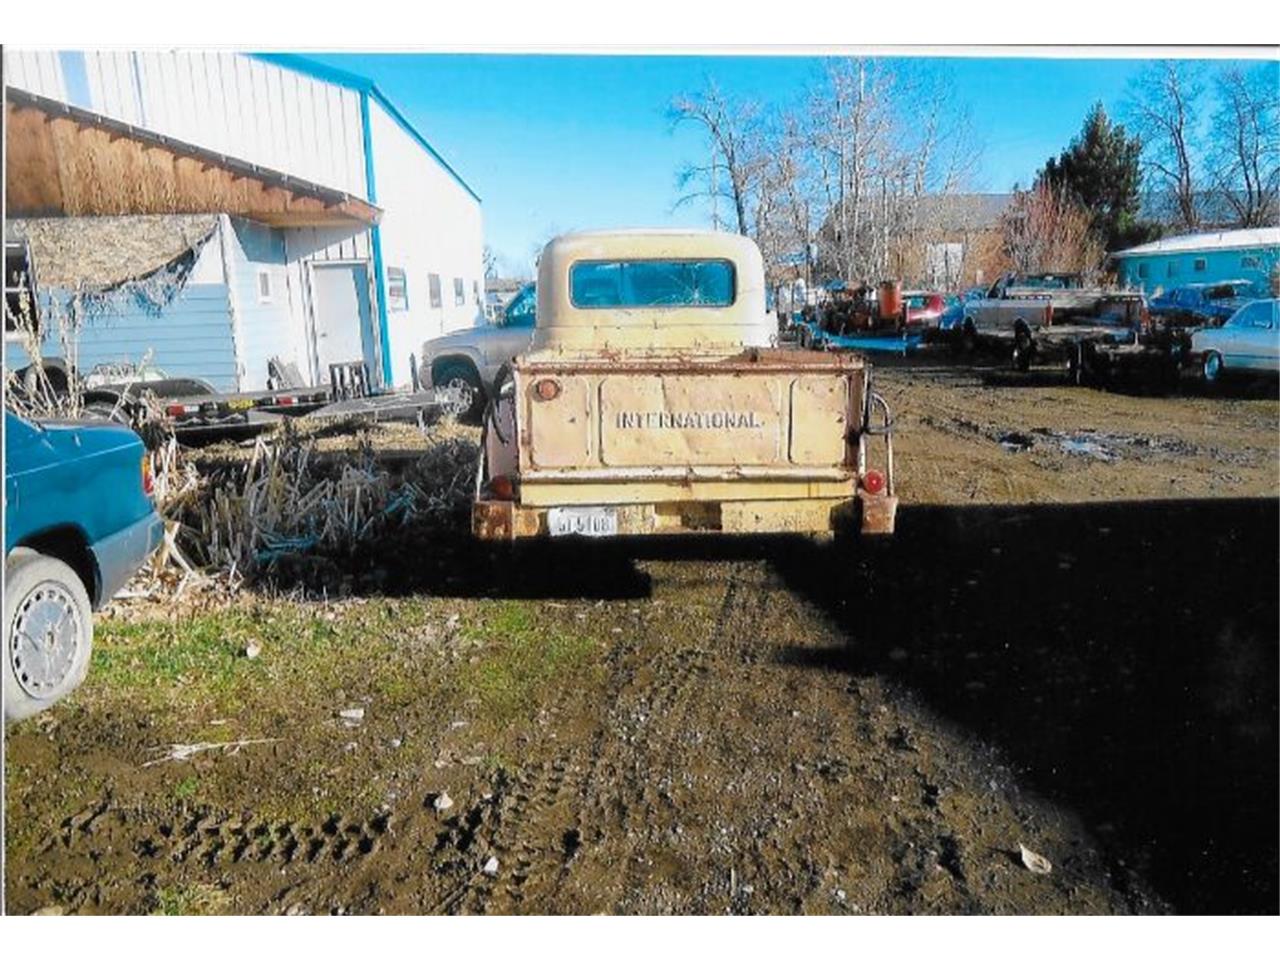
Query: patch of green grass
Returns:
{"type": "Point", "coordinates": [191, 900]}
{"type": "Point", "coordinates": [521, 658]}
{"type": "Point", "coordinates": [186, 788]}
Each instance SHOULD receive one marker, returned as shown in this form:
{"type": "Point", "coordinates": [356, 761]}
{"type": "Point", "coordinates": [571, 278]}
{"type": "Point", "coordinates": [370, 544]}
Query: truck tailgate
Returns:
{"type": "Point", "coordinates": [763, 414]}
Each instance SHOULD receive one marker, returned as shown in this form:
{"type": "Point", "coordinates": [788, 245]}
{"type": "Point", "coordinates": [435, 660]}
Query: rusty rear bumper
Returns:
{"type": "Point", "coordinates": [870, 514]}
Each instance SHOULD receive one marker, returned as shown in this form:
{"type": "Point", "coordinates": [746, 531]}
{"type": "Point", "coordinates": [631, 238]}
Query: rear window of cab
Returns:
{"type": "Point", "coordinates": [601, 284]}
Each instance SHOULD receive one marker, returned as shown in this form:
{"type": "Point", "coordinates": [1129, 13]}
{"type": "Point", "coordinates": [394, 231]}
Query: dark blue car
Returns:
{"type": "Point", "coordinates": [1201, 304]}
{"type": "Point", "coordinates": [78, 522]}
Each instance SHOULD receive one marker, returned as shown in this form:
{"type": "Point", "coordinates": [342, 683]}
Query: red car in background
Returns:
{"type": "Point", "coordinates": [924, 308]}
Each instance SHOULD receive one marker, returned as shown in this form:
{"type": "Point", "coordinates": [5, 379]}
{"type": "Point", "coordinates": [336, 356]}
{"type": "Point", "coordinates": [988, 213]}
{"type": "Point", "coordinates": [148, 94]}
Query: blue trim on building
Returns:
{"type": "Point", "coordinates": [367, 88]}
{"type": "Point", "coordinates": [384, 329]}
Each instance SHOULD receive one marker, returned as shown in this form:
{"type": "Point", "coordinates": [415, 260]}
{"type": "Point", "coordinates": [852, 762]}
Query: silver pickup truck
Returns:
{"type": "Point", "coordinates": [1048, 315]}
{"type": "Point", "coordinates": [462, 365]}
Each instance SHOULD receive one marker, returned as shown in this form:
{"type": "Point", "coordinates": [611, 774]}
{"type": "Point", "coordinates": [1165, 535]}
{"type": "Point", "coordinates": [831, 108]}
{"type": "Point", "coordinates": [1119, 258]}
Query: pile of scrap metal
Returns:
{"type": "Point", "coordinates": [866, 317]}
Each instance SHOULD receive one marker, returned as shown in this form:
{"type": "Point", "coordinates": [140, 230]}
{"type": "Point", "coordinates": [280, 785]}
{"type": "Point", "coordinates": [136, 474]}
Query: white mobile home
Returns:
{"type": "Point", "coordinates": [342, 234]}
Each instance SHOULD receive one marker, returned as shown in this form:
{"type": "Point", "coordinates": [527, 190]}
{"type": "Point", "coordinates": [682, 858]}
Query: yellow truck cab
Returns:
{"type": "Point", "coordinates": [652, 401]}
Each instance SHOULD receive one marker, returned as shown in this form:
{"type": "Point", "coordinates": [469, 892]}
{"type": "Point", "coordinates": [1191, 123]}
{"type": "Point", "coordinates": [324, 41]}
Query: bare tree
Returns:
{"type": "Point", "coordinates": [784, 217]}
{"type": "Point", "coordinates": [889, 141]}
{"type": "Point", "coordinates": [735, 164]}
{"type": "Point", "coordinates": [1045, 229]}
{"type": "Point", "coordinates": [490, 262]}
{"type": "Point", "coordinates": [850, 120]}
{"type": "Point", "coordinates": [1163, 109]}
{"type": "Point", "coordinates": [1245, 159]}
{"type": "Point", "coordinates": [847, 175]}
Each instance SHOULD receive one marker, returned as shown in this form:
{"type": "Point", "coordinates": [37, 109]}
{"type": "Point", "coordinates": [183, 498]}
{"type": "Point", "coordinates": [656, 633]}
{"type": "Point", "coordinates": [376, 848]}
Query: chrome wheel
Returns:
{"type": "Point", "coordinates": [459, 396]}
{"type": "Point", "coordinates": [45, 639]}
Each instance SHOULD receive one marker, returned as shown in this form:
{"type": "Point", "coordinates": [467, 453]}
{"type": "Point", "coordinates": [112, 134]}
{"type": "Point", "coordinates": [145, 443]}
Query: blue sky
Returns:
{"type": "Point", "coordinates": [558, 142]}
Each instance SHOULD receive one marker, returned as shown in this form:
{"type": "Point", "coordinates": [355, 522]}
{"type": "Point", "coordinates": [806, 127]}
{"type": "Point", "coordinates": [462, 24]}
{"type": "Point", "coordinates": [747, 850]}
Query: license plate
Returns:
{"type": "Point", "coordinates": [239, 404]}
{"type": "Point", "coordinates": [582, 521]}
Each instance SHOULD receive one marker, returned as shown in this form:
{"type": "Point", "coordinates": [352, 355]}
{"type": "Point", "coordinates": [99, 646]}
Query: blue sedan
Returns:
{"type": "Point", "coordinates": [78, 522]}
{"type": "Point", "coordinates": [1202, 304]}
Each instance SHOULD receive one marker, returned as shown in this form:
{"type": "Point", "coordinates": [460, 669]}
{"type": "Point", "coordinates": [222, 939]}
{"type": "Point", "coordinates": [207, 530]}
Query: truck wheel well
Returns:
{"type": "Point", "coordinates": [455, 358]}
{"type": "Point", "coordinates": [70, 545]}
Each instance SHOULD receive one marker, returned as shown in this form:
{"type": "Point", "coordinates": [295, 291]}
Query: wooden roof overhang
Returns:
{"type": "Point", "coordinates": [67, 161]}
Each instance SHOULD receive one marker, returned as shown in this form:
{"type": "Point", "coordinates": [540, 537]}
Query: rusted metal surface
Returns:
{"type": "Point", "coordinates": [878, 513]}
{"type": "Point", "coordinates": [505, 521]}
{"type": "Point", "coordinates": [674, 418]}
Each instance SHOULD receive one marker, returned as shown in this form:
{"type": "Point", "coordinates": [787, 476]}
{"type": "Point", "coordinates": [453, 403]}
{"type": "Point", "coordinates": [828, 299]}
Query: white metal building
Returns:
{"type": "Point", "coordinates": [385, 252]}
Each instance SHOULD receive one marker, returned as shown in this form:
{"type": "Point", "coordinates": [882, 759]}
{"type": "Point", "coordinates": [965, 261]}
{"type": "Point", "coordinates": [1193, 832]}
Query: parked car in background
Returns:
{"type": "Point", "coordinates": [78, 523]}
{"type": "Point", "coordinates": [1248, 343]}
{"type": "Point", "coordinates": [923, 307]}
{"type": "Point", "coordinates": [1202, 304]}
{"type": "Point", "coordinates": [465, 363]}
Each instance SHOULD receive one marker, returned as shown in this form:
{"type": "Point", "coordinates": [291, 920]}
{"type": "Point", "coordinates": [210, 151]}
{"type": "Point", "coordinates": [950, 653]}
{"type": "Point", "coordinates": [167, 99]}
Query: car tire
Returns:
{"type": "Point", "coordinates": [1022, 350]}
{"type": "Point", "coordinates": [1211, 367]}
{"type": "Point", "coordinates": [456, 375]}
{"type": "Point", "coordinates": [1076, 372]}
{"type": "Point", "coordinates": [43, 595]}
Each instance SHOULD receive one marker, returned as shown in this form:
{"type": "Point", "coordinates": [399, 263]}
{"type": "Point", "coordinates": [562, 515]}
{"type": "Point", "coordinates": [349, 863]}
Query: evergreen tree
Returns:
{"type": "Point", "coordinates": [1101, 169]}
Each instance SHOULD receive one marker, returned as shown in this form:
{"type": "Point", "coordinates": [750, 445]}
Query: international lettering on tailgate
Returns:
{"type": "Point", "coordinates": [697, 418]}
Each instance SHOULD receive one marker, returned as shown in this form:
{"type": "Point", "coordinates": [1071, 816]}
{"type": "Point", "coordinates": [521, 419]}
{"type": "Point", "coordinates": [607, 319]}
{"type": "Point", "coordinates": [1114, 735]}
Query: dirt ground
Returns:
{"type": "Point", "coordinates": [1069, 646]}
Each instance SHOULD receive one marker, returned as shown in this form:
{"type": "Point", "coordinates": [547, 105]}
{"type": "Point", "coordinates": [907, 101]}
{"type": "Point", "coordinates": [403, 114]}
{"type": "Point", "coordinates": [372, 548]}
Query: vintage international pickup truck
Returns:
{"type": "Point", "coordinates": [651, 401]}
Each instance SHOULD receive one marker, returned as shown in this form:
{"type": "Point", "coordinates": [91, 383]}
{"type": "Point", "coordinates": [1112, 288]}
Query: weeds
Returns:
{"type": "Point", "coordinates": [191, 900]}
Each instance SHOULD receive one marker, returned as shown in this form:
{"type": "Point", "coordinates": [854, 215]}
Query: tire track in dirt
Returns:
{"type": "Point", "coordinates": [598, 798]}
{"type": "Point", "coordinates": [535, 830]}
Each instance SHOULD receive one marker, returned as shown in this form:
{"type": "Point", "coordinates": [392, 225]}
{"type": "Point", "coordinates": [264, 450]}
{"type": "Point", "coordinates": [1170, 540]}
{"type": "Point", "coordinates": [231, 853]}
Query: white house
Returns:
{"type": "Point", "coordinates": [342, 233]}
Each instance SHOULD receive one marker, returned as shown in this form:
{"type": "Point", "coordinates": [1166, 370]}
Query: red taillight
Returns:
{"type": "Point", "coordinates": [873, 481]}
{"type": "Point", "coordinates": [175, 410]}
{"type": "Point", "coordinates": [547, 389]}
{"type": "Point", "coordinates": [284, 401]}
{"type": "Point", "coordinates": [501, 488]}
{"type": "Point", "coordinates": [148, 478]}
{"type": "Point", "coordinates": [1048, 314]}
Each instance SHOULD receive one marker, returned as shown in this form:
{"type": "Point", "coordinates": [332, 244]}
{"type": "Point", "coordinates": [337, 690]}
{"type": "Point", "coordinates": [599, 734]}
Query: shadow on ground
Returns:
{"type": "Point", "coordinates": [1123, 656]}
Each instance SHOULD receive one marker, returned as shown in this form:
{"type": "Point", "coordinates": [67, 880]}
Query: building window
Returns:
{"type": "Point", "coordinates": [1142, 271]}
{"type": "Point", "coordinates": [1172, 269]}
{"type": "Point", "coordinates": [264, 286]}
{"type": "Point", "coordinates": [433, 282]}
{"type": "Point", "coordinates": [475, 291]}
{"type": "Point", "coordinates": [1199, 265]}
{"type": "Point", "coordinates": [19, 303]}
{"type": "Point", "coordinates": [459, 292]}
{"type": "Point", "coordinates": [1249, 263]}
{"type": "Point", "coordinates": [397, 289]}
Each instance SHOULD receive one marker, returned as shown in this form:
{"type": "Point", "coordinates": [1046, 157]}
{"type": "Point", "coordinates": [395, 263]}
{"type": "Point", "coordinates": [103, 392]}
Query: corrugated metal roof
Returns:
{"type": "Point", "coordinates": [353, 81]}
{"type": "Point", "coordinates": [1219, 240]}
